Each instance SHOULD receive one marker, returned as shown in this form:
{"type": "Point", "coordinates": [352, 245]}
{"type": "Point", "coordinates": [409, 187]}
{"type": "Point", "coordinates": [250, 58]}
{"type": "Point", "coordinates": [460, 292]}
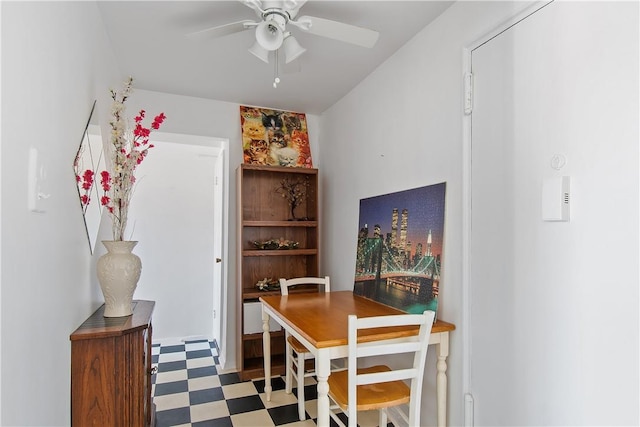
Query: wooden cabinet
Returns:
{"type": "Point", "coordinates": [264, 214]}
{"type": "Point", "coordinates": [111, 369]}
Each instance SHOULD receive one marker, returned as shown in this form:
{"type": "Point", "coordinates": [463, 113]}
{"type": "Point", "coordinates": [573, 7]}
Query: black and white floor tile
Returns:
{"type": "Point", "coordinates": [189, 390]}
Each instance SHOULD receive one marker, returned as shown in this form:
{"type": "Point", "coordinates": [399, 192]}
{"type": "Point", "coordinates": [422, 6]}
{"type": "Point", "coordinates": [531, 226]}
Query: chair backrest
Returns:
{"type": "Point", "coordinates": [285, 284]}
{"type": "Point", "coordinates": [418, 345]}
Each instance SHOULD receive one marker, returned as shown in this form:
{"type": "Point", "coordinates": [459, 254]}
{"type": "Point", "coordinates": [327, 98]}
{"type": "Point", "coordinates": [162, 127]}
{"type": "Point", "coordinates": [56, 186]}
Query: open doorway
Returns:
{"type": "Point", "coordinates": [179, 216]}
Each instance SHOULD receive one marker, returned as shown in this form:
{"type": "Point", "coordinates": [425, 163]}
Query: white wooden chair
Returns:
{"type": "Point", "coordinates": [381, 387]}
{"type": "Point", "coordinates": [296, 352]}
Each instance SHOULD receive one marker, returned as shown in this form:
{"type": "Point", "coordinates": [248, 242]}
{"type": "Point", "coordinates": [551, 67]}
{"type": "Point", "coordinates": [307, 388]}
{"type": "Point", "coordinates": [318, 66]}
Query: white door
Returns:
{"type": "Point", "coordinates": [553, 320]}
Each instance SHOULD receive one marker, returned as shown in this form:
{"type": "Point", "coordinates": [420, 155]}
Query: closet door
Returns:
{"type": "Point", "coordinates": [554, 305]}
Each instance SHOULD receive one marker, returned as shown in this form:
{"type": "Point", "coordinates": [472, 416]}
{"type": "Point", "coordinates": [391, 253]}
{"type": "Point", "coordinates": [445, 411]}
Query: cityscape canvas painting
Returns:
{"type": "Point", "coordinates": [274, 137]}
{"type": "Point", "coordinates": [398, 260]}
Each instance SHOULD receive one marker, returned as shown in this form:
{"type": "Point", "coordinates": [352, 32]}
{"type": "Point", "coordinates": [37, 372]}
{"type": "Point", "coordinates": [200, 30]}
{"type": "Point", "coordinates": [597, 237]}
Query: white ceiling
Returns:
{"type": "Point", "coordinates": [150, 44]}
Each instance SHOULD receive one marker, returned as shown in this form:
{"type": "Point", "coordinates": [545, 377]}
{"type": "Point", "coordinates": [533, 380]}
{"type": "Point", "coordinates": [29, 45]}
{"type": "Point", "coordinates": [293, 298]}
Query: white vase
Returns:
{"type": "Point", "coordinates": [118, 273]}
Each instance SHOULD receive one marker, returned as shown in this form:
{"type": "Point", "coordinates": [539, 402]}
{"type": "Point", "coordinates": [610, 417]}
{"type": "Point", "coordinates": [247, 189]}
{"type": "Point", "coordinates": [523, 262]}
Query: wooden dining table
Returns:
{"type": "Point", "coordinates": [319, 321]}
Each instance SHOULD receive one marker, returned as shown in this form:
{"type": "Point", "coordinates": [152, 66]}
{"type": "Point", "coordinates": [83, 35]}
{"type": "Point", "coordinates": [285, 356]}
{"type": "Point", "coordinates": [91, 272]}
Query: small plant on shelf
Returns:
{"type": "Point", "coordinates": [280, 243]}
{"type": "Point", "coordinates": [295, 192]}
{"type": "Point", "coordinates": [268, 284]}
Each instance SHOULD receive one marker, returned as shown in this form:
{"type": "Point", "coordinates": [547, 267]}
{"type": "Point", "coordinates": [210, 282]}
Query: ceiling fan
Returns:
{"type": "Point", "coordinates": [272, 32]}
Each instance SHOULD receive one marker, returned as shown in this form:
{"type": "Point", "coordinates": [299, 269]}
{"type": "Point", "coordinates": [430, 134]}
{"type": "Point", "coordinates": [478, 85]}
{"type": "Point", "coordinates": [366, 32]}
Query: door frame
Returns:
{"type": "Point", "coordinates": [222, 227]}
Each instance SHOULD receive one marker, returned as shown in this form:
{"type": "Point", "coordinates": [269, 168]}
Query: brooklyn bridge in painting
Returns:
{"type": "Point", "coordinates": [398, 260]}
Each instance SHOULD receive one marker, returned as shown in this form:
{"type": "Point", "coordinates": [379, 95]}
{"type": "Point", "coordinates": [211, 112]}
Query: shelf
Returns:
{"type": "Point", "coordinates": [254, 367]}
{"type": "Point", "coordinates": [279, 169]}
{"type": "Point", "coordinates": [279, 252]}
{"type": "Point", "coordinates": [258, 336]}
{"type": "Point", "coordinates": [307, 224]}
{"type": "Point", "coordinates": [250, 294]}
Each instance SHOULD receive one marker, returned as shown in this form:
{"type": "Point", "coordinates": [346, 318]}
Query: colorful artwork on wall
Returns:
{"type": "Point", "coordinates": [398, 260]}
{"type": "Point", "coordinates": [273, 137]}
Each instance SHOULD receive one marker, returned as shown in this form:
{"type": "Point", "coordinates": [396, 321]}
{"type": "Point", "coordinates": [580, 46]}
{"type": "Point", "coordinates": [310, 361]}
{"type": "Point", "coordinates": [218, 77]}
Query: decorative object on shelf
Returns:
{"type": "Point", "coordinates": [118, 273]}
{"type": "Point", "coordinates": [268, 284]}
{"type": "Point", "coordinates": [274, 137]}
{"type": "Point", "coordinates": [119, 270]}
{"type": "Point", "coordinates": [295, 192]}
{"type": "Point", "coordinates": [273, 244]}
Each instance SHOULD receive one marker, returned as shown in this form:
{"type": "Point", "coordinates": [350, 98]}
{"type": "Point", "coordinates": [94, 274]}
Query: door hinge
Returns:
{"type": "Point", "coordinates": [468, 93]}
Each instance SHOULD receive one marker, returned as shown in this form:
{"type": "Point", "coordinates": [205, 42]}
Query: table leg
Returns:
{"type": "Point", "coordinates": [323, 370]}
{"type": "Point", "coordinates": [266, 351]}
{"type": "Point", "coordinates": [441, 379]}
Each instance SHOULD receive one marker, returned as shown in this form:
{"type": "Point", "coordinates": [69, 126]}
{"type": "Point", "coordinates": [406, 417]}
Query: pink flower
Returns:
{"type": "Point", "coordinates": [105, 180]}
{"type": "Point", "coordinates": [141, 131]}
{"type": "Point", "coordinates": [86, 182]}
{"type": "Point", "coordinates": [157, 121]}
{"type": "Point", "coordinates": [140, 116]}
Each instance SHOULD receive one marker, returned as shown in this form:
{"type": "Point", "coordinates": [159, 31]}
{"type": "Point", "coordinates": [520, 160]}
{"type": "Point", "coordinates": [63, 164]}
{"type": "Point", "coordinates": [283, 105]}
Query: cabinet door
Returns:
{"type": "Point", "coordinates": [132, 381]}
{"type": "Point", "coordinates": [93, 383]}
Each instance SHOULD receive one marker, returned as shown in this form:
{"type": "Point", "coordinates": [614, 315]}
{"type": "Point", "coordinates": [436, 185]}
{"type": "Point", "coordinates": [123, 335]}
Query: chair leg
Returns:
{"type": "Point", "coordinates": [300, 379]}
{"type": "Point", "coordinates": [288, 368]}
{"type": "Point", "coordinates": [382, 422]}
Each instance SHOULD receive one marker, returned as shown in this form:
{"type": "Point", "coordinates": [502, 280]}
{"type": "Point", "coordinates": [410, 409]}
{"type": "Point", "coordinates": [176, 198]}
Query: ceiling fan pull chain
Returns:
{"type": "Point", "coordinates": [276, 79]}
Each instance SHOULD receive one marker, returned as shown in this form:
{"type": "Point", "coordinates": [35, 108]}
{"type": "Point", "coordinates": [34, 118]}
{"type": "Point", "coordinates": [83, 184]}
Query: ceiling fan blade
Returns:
{"type": "Point", "coordinates": [253, 4]}
{"type": "Point", "coordinates": [222, 30]}
{"type": "Point", "coordinates": [293, 11]}
{"type": "Point", "coordinates": [338, 31]}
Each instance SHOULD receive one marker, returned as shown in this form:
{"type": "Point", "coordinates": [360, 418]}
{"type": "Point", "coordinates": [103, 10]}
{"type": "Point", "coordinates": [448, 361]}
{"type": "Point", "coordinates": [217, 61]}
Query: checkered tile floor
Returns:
{"type": "Point", "coordinates": [188, 390]}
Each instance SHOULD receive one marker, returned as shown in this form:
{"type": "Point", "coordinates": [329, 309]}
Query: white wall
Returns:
{"type": "Point", "coordinates": [55, 61]}
{"type": "Point", "coordinates": [402, 128]}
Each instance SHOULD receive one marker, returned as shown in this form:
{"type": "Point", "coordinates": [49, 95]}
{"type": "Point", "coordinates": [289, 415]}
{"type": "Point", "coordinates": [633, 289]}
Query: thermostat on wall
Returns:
{"type": "Point", "coordinates": [555, 198]}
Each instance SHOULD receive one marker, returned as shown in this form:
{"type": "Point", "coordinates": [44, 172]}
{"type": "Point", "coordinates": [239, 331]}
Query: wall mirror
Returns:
{"type": "Point", "coordinates": [87, 165]}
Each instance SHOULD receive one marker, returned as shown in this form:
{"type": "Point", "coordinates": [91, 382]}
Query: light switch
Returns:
{"type": "Point", "coordinates": [555, 198]}
{"type": "Point", "coordinates": [35, 182]}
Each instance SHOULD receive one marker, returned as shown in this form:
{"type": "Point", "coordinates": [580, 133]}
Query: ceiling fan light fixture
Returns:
{"type": "Point", "coordinates": [270, 33]}
{"type": "Point", "coordinates": [259, 52]}
{"type": "Point", "coordinates": [292, 49]}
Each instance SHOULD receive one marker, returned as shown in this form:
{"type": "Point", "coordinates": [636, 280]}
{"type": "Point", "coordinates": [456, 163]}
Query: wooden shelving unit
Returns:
{"type": "Point", "coordinates": [263, 215]}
